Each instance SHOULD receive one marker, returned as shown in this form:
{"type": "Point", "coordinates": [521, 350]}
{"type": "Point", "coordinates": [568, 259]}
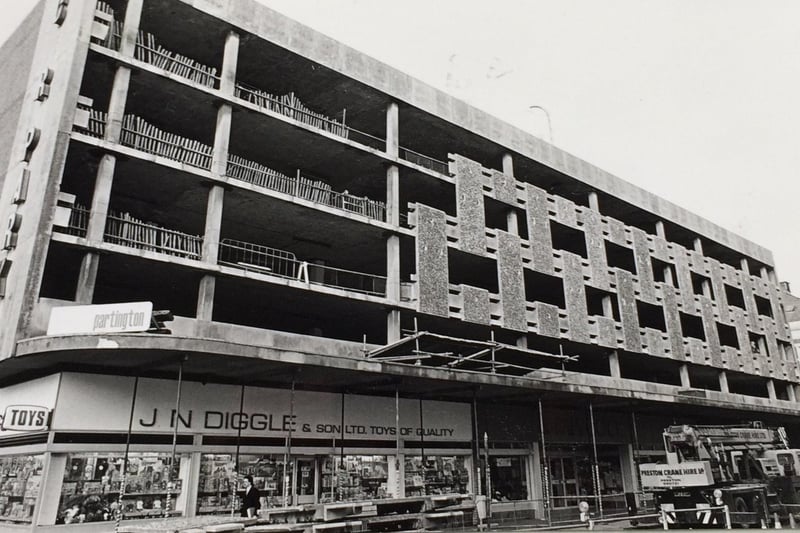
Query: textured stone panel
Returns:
{"type": "Point", "coordinates": [710, 327]}
{"type": "Point", "coordinates": [718, 286]}
{"type": "Point", "coordinates": [539, 230]}
{"type": "Point", "coordinates": [469, 205]}
{"type": "Point", "coordinates": [627, 309]}
{"type": "Point", "coordinates": [673, 319]}
{"type": "Point", "coordinates": [595, 247]}
{"type": "Point", "coordinates": [606, 331]}
{"type": "Point", "coordinates": [505, 187]}
{"type": "Point", "coordinates": [749, 302]}
{"type": "Point", "coordinates": [775, 305]}
{"type": "Point", "coordinates": [661, 249]}
{"type": "Point", "coordinates": [728, 356]}
{"type": "Point", "coordinates": [772, 347]}
{"type": "Point", "coordinates": [740, 323]}
{"type": "Point", "coordinates": [476, 305]}
{"type": "Point", "coordinates": [575, 296]}
{"type": "Point", "coordinates": [546, 318]}
{"type": "Point", "coordinates": [565, 212]}
{"type": "Point", "coordinates": [512, 282]}
{"type": "Point", "coordinates": [616, 231]}
{"type": "Point", "coordinates": [644, 267]}
{"type": "Point", "coordinates": [655, 344]}
{"type": "Point", "coordinates": [684, 280]}
{"type": "Point", "coordinates": [432, 261]}
{"type": "Point", "coordinates": [697, 354]}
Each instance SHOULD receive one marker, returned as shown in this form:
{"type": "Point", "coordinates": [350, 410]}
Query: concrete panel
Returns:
{"type": "Point", "coordinates": [546, 318]}
{"type": "Point", "coordinates": [575, 296]}
{"type": "Point", "coordinates": [673, 320]}
{"type": "Point", "coordinates": [627, 308]}
{"type": "Point", "coordinates": [644, 267]}
{"type": "Point", "coordinates": [728, 356]}
{"type": "Point", "coordinates": [432, 273]}
{"type": "Point", "coordinates": [595, 247]}
{"type": "Point", "coordinates": [655, 344]}
{"type": "Point", "coordinates": [773, 350]}
{"type": "Point", "coordinates": [505, 187]}
{"type": "Point", "coordinates": [718, 286]}
{"type": "Point", "coordinates": [565, 212]}
{"type": "Point", "coordinates": [616, 231]}
{"type": "Point", "coordinates": [606, 332]}
{"type": "Point", "coordinates": [749, 302]}
{"type": "Point", "coordinates": [476, 305]}
{"type": "Point", "coordinates": [780, 318]}
{"type": "Point", "coordinates": [661, 249]}
{"type": "Point", "coordinates": [740, 323]}
{"type": "Point", "coordinates": [684, 280]}
{"type": "Point", "coordinates": [710, 327]}
{"type": "Point", "coordinates": [539, 230]}
{"type": "Point", "coordinates": [697, 354]}
{"type": "Point", "coordinates": [469, 205]}
{"type": "Point", "coordinates": [512, 282]}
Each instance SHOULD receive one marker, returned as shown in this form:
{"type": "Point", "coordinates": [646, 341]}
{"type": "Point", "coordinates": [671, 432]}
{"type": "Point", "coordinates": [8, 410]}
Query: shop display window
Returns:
{"type": "Point", "coordinates": [218, 479]}
{"type": "Point", "coordinates": [92, 484]}
{"type": "Point", "coordinates": [354, 477]}
{"type": "Point", "coordinates": [436, 475]}
{"type": "Point", "coordinates": [509, 480]}
{"type": "Point", "coordinates": [20, 482]}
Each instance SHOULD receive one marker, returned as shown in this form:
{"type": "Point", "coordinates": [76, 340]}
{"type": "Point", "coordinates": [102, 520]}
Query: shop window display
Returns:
{"type": "Point", "coordinates": [218, 479]}
{"type": "Point", "coordinates": [435, 475]}
{"type": "Point", "coordinates": [92, 484]}
{"type": "Point", "coordinates": [20, 482]}
{"type": "Point", "coordinates": [509, 481]}
{"type": "Point", "coordinates": [354, 477]}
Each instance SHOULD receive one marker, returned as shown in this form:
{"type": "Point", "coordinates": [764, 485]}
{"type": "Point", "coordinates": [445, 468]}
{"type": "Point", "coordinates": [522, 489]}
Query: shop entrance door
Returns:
{"type": "Point", "coordinates": [305, 480]}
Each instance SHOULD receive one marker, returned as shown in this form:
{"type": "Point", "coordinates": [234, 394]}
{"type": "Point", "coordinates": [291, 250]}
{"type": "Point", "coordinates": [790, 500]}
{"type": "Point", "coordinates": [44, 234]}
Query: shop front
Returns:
{"type": "Point", "coordinates": [120, 443]}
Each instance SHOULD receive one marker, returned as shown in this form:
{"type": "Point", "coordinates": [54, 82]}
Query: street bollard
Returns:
{"type": "Point", "coordinates": [591, 525]}
{"type": "Point", "coordinates": [664, 519]}
{"type": "Point", "coordinates": [777, 520]}
{"type": "Point", "coordinates": [792, 524]}
{"type": "Point", "coordinates": [727, 511]}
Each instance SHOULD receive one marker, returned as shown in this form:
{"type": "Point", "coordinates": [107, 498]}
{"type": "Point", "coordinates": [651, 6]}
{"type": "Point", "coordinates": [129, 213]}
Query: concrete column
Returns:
{"type": "Point", "coordinates": [745, 265]}
{"type": "Point", "coordinates": [508, 164]}
{"type": "Point", "coordinates": [608, 307]}
{"type": "Point", "coordinates": [393, 333]}
{"type": "Point", "coordinates": [723, 381]}
{"type": "Point", "coordinates": [764, 273]}
{"type": "Point", "coordinates": [522, 342]}
{"type": "Point", "coordinates": [116, 105]}
{"type": "Point", "coordinates": [216, 195]}
{"type": "Point", "coordinates": [791, 393]}
{"type": "Point", "coordinates": [392, 130]}
{"type": "Point", "coordinates": [222, 137]}
{"type": "Point", "coordinates": [613, 364]}
{"type": "Point", "coordinates": [87, 278]}
{"type": "Point", "coordinates": [512, 222]}
{"type": "Point", "coordinates": [101, 197]}
{"type": "Point", "coordinates": [230, 61]}
{"type": "Point", "coordinates": [393, 195]}
{"type": "Point", "coordinates": [133, 15]}
{"type": "Point", "coordinates": [205, 298]}
{"type": "Point", "coordinates": [660, 229]}
{"type": "Point", "coordinates": [698, 245]}
{"type": "Point", "coordinates": [706, 286]}
{"type": "Point", "coordinates": [668, 276]}
{"type": "Point", "coordinates": [393, 268]}
{"type": "Point", "coordinates": [771, 389]}
{"type": "Point", "coordinates": [594, 201]}
{"type": "Point", "coordinates": [686, 383]}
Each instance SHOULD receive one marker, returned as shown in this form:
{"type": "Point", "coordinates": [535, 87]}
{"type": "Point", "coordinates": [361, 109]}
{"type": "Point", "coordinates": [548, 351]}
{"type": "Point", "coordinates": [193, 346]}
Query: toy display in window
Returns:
{"type": "Point", "coordinates": [20, 481]}
{"type": "Point", "coordinates": [435, 475]}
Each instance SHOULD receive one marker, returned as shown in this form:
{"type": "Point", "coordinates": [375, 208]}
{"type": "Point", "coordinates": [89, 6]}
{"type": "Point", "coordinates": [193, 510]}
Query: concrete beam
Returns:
{"type": "Point", "coordinates": [130, 28]}
{"type": "Point", "coordinates": [771, 389]}
{"type": "Point", "coordinates": [613, 364]}
{"type": "Point", "coordinates": [210, 252]}
{"type": "Point", "coordinates": [392, 129]}
{"type": "Point", "coordinates": [222, 137]}
{"type": "Point", "coordinates": [393, 333]}
{"type": "Point", "coordinates": [116, 105]}
{"type": "Point", "coordinates": [87, 278]}
{"type": "Point", "coordinates": [791, 393]}
{"type": "Point", "coordinates": [393, 268]}
{"type": "Point", "coordinates": [205, 298]}
{"type": "Point", "coordinates": [230, 60]}
{"type": "Point", "coordinates": [686, 382]}
{"type": "Point", "coordinates": [101, 197]}
{"type": "Point", "coordinates": [723, 381]}
{"type": "Point", "coordinates": [393, 195]}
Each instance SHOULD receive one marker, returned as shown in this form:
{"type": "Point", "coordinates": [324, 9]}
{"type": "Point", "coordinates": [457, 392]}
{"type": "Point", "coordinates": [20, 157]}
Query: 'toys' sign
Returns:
{"type": "Point", "coordinates": [25, 418]}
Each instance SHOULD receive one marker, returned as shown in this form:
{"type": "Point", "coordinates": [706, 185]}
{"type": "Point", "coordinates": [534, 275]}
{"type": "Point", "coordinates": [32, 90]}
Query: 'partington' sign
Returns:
{"type": "Point", "coordinates": [25, 418]}
{"type": "Point", "coordinates": [109, 318]}
{"type": "Point", "coordinates": [667, 476]}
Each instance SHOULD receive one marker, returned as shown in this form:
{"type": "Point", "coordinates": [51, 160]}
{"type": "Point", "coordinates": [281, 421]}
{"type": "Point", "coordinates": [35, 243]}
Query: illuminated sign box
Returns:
{"type": "Point", "coordinates": [128, 317]}
{"type": "Point", "coordinates": [686, 474]}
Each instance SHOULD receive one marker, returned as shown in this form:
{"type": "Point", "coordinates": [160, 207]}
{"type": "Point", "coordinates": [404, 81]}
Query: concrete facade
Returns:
{"type": "Point", "coordinates": [297, 206]}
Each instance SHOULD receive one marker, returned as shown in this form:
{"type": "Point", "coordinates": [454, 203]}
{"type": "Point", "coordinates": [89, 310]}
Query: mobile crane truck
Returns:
{"type": "Point", "coordinates": [749, 467]}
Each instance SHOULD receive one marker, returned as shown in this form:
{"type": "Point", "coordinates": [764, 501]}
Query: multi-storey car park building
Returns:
{"type": "Point", "coordinates": [376, 288]}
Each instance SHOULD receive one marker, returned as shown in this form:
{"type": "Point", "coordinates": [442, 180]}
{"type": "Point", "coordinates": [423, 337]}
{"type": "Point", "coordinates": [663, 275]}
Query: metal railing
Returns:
{"type": "Point", "coordinates": [313, 190]}
{"type": "Point", "coordinates": [105, 14]}
{"type": "Point", "coordinates": [149, 51]}
{"type": "Point", "coordinates": [265, 260]}
{"type": "Point", "coordinates": [140, 135]}
{"type": "Point", "coordinates": [78, 221]}
{"type": "Point", "coordinates": [122, 228]}
{"type": "Point", "coordinates": [289, 105]}
{"type": "Point", "coordinates": [423, 160]}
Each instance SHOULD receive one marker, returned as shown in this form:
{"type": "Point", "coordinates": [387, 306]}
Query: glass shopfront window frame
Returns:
{"type": "Point", "coordinates": [436, 474]}
{"type": "Point", "coordinates": [20, 485]}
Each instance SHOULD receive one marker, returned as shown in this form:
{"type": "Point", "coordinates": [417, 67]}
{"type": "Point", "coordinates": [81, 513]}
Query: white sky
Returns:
{"type": "Point", "coordinates": [697, 101]}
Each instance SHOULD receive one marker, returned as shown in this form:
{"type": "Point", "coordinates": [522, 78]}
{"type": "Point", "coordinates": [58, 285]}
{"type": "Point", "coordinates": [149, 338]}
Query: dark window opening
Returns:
{"type": "Point", "coordinates": [595, 306]}
{"type": "Point", "coordinates": [651, 316]}
{"type": "Point", "coordinates": [620, 257]}
{"type": "Point", "coordinates": [568, 239]}
{"type": "Point", "coordinates": [764, 307]}
{"type": "Point", "coordinates": [544, 288]}
{"type": "Point", "coordinates": [758, 344]}
{"type": "Point", "coordinates": [735, 296]}
{"type": "Point", "coordinates": [702, 285]}
{"type": "Point", "coordinates": [692, 326]}
{"type": "Point", "coordinates": [663, 271]}
{"type": "Point", "coordinates": [727, 336]}
{"type": "Point", "coordinates": [497, 216]}
{"type": "Point", "coordinates": [469, 269]}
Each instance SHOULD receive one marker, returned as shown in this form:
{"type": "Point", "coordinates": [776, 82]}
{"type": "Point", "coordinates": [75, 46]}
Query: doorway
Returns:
{"type": "Point", "coordinates": [305, 481]}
